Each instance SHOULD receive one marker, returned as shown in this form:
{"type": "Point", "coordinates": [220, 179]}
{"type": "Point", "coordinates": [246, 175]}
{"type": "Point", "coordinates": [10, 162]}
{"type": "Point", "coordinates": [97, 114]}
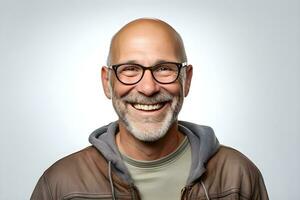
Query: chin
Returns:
{"type": "Point", "coordinates": [149, 130]}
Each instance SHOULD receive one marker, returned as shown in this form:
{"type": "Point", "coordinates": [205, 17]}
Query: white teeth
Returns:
{"type": "Point", "coordinates": [147, 107]}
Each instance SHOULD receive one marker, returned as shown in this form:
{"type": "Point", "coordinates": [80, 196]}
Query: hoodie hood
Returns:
{"type": "Point", "coordinates": [204, 145]}
{"type": "Point", "coordinates": [202, 139]}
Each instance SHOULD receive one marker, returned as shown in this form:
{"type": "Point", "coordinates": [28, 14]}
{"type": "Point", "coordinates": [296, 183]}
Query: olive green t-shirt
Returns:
{"type": "Point", "coordinates": [163, 178]}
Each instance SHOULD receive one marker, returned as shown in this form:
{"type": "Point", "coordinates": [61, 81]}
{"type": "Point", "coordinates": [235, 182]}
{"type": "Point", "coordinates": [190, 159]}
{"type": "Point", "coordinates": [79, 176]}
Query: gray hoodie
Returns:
{"type": "Point", "coordinates": [203, 141]}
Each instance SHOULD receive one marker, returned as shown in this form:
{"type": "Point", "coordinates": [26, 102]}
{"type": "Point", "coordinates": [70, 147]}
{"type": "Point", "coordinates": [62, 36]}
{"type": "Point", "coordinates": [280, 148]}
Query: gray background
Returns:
{"type": "Point", "coordinates": [246, 85]}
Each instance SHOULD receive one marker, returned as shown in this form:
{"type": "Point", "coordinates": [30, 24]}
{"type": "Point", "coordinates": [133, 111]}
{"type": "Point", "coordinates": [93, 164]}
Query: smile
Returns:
{"type": "Point", "coordinates": [148, 107]}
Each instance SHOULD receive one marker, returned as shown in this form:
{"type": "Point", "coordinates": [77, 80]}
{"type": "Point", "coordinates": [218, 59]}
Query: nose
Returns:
{"type": "Point", "coordinates": [148, 86]}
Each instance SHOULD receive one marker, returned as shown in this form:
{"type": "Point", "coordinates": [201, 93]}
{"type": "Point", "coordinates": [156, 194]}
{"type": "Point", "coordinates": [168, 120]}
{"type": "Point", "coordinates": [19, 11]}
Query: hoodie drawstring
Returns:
{"type": "Point", "coordinates": [111, 181]}
{"type": "Point", "coordinates": [205, 191]}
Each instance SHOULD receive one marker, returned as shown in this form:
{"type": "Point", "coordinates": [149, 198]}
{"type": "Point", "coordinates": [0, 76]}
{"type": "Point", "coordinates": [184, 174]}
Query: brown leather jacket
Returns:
{"type": "Point", "coordinates": [228, 175]}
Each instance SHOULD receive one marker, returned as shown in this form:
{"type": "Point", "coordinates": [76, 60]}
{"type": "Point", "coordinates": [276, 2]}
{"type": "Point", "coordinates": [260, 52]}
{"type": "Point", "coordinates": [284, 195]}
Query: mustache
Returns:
{"type": "Point", "coordinates": [142, 99]}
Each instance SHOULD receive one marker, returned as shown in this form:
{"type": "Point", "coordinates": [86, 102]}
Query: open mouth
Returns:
{"type": "Point", "coordinates": [148, 107]}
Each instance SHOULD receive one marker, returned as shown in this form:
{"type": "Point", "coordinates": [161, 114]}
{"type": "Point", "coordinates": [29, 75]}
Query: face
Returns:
{"type": "Point", "coordinates": [147, 109]}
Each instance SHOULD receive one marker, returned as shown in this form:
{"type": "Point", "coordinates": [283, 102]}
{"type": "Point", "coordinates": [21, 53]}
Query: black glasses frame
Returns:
{"type": "Point", "coordinates": [151, 68]}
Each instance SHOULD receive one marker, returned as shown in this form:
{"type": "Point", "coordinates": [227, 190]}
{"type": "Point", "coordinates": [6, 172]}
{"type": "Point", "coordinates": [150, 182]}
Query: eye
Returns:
{"type": "Point", "coordinates": [129, 70]}
{"type": "Point", "coordinates": [163, 68]}
{"type": "Point", "coordinates": [167, 68]}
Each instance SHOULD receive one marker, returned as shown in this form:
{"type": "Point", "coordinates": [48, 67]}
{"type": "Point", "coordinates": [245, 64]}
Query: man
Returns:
{"type": "Point", "coordinates": [148, 154]}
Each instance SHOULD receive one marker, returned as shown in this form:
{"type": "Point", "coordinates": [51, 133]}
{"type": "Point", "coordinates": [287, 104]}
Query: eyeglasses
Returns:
{"type": "Point", "coordinates": [164, 73]}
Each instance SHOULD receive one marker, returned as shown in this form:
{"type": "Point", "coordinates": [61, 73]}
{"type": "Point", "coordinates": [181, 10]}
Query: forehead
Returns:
{"type": "Point", "coordinates": [145, 44]}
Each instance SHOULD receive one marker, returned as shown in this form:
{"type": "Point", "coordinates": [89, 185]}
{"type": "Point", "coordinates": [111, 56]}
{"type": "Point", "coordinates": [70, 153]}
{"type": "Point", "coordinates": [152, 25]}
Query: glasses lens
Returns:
{"type": "Point", "coordinates": [165, 72]}
{"type": "Point", "coordinates": [129, 73]}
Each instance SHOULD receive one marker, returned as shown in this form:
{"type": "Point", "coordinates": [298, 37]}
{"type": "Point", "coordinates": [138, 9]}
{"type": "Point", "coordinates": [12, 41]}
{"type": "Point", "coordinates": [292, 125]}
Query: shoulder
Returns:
{"type": "Point", "coordinates": [87, 158]}
{"type": "Point", "coordinates": [231, 155]}
{"type": "Point", "coordinates": [230, 160]}
{"type": "Point", "coordinates": [83, 173]}
{"type": "Point", "coordinates": [234, 173]}
{"type": "Point", "coordinates": [80, 172]}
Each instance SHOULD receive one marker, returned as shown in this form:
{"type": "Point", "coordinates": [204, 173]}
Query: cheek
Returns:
{"type": "Point", "coordinates": [120, 90]}
{"type": "Point", "coordinates": [175, 89]}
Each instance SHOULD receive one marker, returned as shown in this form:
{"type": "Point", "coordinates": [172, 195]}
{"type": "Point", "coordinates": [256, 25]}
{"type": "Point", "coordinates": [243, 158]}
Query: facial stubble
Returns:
{"type": "Point", "coordinates": [150, 128]}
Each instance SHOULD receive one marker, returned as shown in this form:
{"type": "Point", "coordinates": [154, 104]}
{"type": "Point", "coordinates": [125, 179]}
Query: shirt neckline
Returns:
{"type": "Point", "coordinates": [159, 162]}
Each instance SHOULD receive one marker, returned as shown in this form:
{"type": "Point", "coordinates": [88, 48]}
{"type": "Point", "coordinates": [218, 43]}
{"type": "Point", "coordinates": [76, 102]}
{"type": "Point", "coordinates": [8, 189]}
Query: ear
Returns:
{"type": "Point", "coordinates": [188, 80]}
{"type": "Point", "coordinates": [105, 81]}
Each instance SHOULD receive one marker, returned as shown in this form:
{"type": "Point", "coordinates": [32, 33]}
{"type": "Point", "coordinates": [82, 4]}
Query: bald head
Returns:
{"type": "Point", "coordinates": [146, 37]}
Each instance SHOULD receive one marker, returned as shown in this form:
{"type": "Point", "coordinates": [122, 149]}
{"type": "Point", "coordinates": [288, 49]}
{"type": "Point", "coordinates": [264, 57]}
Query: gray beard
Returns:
{"type": "Point", "coordinates": [148, 129]}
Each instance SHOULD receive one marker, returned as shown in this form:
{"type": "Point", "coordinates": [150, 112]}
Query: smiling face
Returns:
{"type": "Point", "coordinates": [147, 109]}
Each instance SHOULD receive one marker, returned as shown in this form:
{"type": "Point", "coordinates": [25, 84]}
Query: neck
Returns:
{"type": "Point", "coordinates": [147, 151]}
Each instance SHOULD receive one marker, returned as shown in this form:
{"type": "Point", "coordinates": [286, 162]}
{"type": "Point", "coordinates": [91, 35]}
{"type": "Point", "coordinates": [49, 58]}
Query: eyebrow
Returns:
{"type": "Point", "coordinates": [157, 62]}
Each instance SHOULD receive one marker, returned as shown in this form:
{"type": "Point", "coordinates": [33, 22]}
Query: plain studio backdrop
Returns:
{"type": "Point", "coordinates": [246, 85]}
